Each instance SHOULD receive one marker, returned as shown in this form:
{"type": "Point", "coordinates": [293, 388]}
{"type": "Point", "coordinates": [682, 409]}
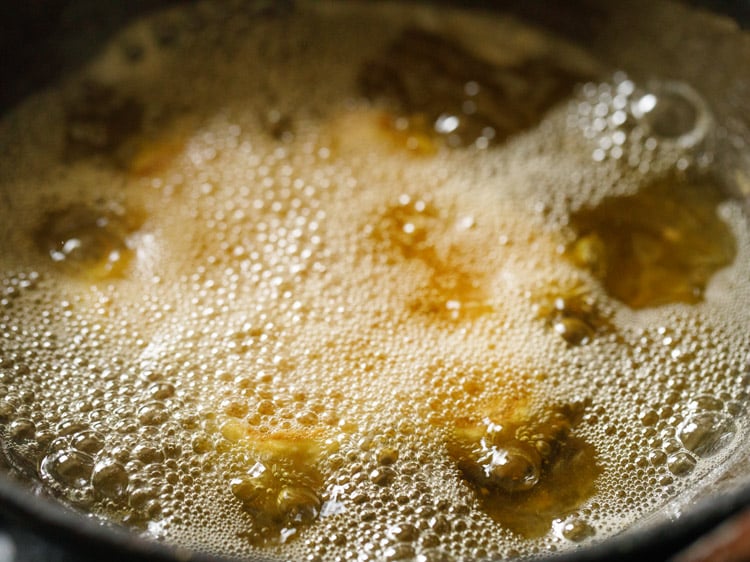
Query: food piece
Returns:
{"type": "Point", "coordinates": [408, 230]}
{"type": "Point", "coordinates": [529, 469]}
{"type": "Point", "coordinates": [282, 489]}
{"type": "Point", "coordinates": [99, 120]}
{"type": "Point", "coordinates": [469, 100]}
{"type": "Point", "coordinates": [572, 311]}
{"type": "Point", "coordinates": [657, 247]}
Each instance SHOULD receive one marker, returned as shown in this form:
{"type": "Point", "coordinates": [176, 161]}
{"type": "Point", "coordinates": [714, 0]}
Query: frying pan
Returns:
{"type": "Point", "coordinates": [42, 39]}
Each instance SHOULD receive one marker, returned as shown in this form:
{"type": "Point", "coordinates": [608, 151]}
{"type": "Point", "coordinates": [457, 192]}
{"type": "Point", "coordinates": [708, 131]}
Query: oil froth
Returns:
{"type": "Point", "coordinates": [358, 284]}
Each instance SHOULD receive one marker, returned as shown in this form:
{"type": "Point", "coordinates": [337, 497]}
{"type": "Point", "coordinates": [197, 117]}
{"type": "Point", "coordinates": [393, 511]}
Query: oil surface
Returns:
{"type": "Point", "coordinates": [377, 281]}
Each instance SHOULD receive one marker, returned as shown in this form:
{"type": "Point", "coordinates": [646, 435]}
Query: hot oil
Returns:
{"type": "Point", "coordinates": [371, 281]}
{"type": "Point", "coordinates": [659, 246]}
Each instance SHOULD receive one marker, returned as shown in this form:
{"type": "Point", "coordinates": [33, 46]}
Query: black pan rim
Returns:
{"type": "Point", "coordinates": [93, 536]}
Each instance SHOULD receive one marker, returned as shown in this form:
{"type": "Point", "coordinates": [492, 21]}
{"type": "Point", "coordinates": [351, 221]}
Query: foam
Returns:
{"type": "Point", "coordinates": [301, 277]}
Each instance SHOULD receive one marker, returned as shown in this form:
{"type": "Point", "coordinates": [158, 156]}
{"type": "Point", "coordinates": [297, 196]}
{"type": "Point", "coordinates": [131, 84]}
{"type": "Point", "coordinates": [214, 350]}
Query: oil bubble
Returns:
{"type": "Point", "coordinates": [673, 111]}
{"type": "Point", "coordinates": [706, 433]}
{"type": "Point", "coordinates": [110, 479]}
{"type": "Point", "coordinates": [681, 463]}
{"type": "Point", "coordinates": [71, 469]}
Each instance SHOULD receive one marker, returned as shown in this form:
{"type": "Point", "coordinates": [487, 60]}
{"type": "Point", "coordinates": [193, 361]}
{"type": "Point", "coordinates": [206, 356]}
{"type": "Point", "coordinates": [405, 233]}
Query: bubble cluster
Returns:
{"type": "Point", "coordinates": [287, 307]}
{"type": "Point", "coordinates": [662, 126]}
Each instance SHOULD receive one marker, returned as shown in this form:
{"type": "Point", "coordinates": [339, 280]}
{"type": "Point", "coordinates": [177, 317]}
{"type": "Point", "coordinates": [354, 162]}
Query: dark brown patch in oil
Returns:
{"type": "Point", "coordinates": [99, 120]}
{"type": "Point", "coordinates": [423, 73]}
{"type": "Point", "coordinates": [657, 247]}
